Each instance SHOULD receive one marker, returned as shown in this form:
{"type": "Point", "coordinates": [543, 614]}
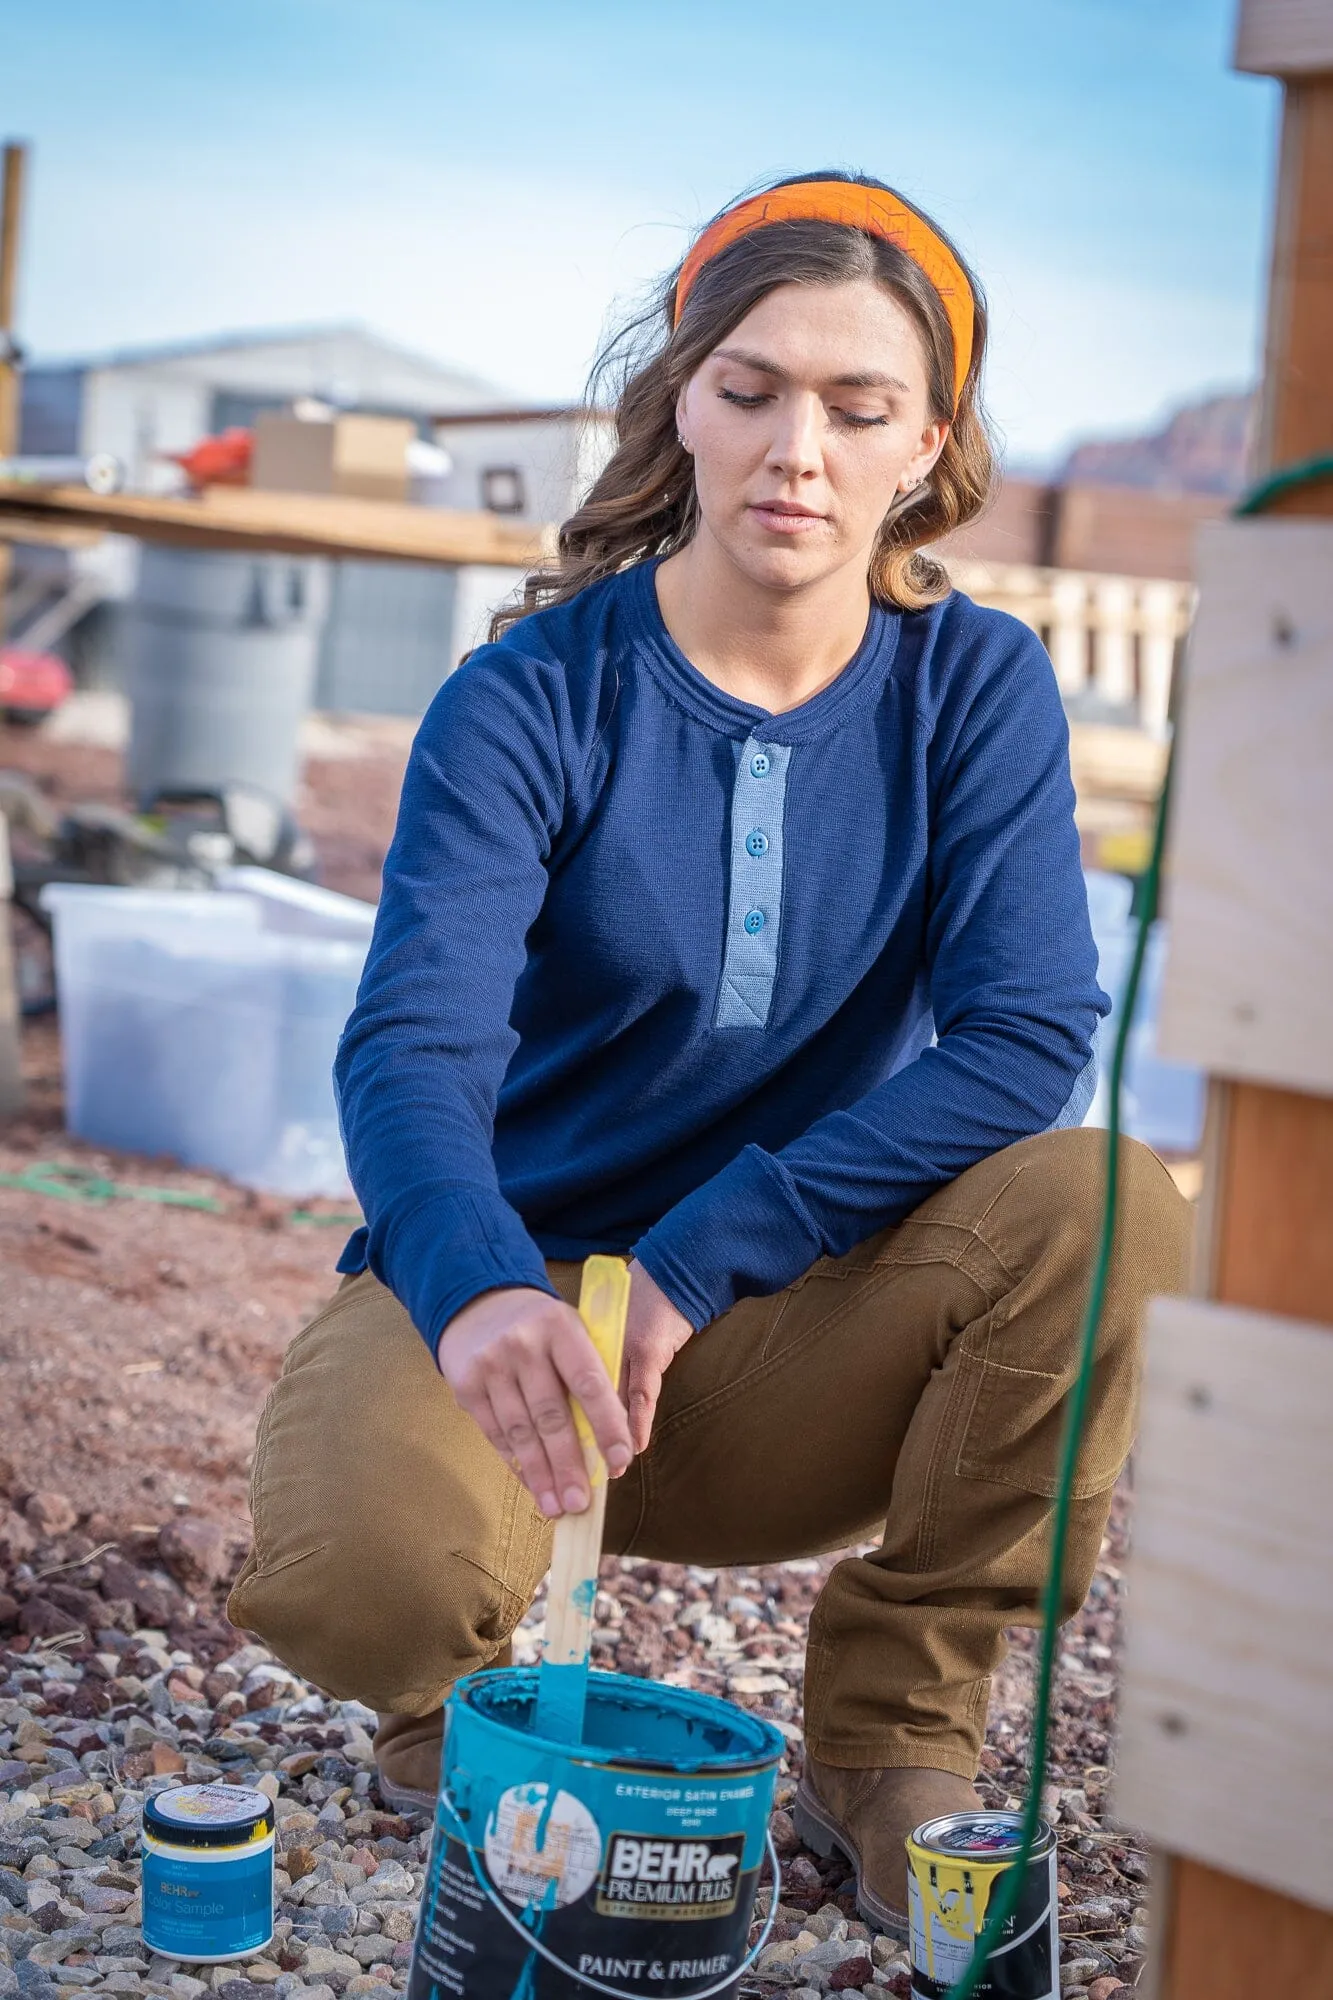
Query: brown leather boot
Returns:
{"type": "Point", "coordinates": [867, 1815]}
{"type": "Point", "coordinates": [408, 1750]}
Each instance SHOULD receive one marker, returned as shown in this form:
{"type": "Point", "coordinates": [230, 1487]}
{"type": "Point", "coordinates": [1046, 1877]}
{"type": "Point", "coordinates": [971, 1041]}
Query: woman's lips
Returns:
{"type": "Point", "coordinates": [783, 522]}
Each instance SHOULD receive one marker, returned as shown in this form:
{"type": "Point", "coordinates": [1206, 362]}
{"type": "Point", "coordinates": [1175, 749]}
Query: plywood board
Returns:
{"type": "Point", "coordinates": [1226, 1752]}
{"type": "Point", "coordinates": [316, 524]}
{"type": "Point", "coordinates": [1250, 890]}
{"type": "Point", "coordinates": [1284, 37]}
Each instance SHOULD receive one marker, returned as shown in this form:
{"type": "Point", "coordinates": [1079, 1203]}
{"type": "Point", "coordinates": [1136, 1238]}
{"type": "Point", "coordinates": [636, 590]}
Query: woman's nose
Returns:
{"type": "Point", "coordinates": [796, 444]}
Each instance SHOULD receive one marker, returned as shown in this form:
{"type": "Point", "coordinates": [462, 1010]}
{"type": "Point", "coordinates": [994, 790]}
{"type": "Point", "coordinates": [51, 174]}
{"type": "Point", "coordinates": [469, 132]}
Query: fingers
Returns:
{"type": "Point", "coordinates": [586, 1379]}
{"type": "Point", "coordinates": [513, 1363]}
{"type": "Point", "coordinates": [643, 1386]}
{"type": "Point", "coordinates": [533, 1416]}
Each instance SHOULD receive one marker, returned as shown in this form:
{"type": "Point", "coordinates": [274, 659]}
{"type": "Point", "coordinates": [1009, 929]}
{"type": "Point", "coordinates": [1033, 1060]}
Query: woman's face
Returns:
{"type": "Point", "coordinates": [804, 423]}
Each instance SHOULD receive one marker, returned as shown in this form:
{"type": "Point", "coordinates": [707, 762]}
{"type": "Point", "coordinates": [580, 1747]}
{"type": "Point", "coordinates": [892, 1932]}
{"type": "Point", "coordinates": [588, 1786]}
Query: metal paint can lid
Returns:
{"type": "Point", "coordinates": [209, 1815]}
{"type": "Point", "coordinates": [979, 1836]}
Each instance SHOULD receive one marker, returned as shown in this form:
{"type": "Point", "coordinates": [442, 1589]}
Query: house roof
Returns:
{"type": "Point", "coordinates": [348, 363]}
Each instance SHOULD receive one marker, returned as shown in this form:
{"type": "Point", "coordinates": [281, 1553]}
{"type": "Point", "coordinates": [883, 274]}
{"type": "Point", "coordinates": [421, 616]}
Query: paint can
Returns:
{"type": "Point", "coordinates": [625, 1864]}
{"type": "Point", "coordinates": [207, 1872]}
{"type": "Point", "coordinates": [953, 1865]}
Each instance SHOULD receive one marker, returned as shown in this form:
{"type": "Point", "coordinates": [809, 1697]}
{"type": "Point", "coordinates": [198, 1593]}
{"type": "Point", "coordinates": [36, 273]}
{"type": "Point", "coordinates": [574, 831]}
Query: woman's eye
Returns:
{"type": "Point", "coordinates": [744, 402]}
{"type": "Point", "coordinates": [855, 420]}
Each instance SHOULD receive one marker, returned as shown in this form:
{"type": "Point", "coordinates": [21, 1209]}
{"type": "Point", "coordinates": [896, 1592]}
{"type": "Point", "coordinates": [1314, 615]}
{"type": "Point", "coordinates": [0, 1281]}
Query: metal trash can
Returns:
{"type": "Point", "coordinates": [222, 653]}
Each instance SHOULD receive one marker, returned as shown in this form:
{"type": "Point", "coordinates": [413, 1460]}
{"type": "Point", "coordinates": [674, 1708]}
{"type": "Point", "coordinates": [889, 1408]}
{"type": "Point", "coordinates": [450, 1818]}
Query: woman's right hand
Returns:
{"type": "Point", "coordinates": [513, 1359]}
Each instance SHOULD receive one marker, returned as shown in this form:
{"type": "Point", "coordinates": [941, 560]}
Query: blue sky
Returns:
{"type": "Point", "coordinates": [483, 182]}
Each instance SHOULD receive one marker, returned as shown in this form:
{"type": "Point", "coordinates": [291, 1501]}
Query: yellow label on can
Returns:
{"type": "Point", "coordinates": [954, 1894]}
{"type": "Point", "coordinates": [948, 1896]}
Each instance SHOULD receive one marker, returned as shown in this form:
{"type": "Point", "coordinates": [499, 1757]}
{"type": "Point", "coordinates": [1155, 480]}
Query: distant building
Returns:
{"type": "Point", "coordinates": [142, 402]}
{"type": "Point", "coordinates": [1122, 506]}
{"type": "Point", "coordinates": [395, 630]}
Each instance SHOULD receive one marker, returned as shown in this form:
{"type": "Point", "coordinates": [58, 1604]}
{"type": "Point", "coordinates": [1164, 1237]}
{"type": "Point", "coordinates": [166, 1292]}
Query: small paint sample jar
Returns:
{"type": "Point", "coordinates": [208, 1872]}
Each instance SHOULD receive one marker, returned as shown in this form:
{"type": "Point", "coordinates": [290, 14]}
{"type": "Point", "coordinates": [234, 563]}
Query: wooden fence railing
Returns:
{"type": "Point", "coordinates": [1114, 640]}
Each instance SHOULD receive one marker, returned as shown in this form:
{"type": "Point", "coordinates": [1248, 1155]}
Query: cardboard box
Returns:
{"type": "Point", "coordinates": [360, 457]}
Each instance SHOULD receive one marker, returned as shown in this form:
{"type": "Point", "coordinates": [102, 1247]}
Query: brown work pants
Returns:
{"type": "Point", "coordinates": [910, 1391]}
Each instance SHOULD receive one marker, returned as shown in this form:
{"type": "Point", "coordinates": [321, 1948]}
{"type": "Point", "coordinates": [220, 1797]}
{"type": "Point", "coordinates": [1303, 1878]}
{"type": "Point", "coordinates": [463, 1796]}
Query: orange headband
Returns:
{"type": "Point", "coordinates": [854, 206]}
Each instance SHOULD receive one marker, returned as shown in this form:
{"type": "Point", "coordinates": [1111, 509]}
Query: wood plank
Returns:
{"type": "Point", "coordinates": [1274, 1250]}
{"type": "Point", "coordinates": [1296, 405]}
{"type": "Point", "coordinates": [1250, 892]}
{"type": "Point", "coordinates": [241, 517]}
{"type": "Point", "coordinates": [1227, 1939]}
{"type": "Point", "coordinates": [1284, 37]}
{"type": "Point", "coordinates": [1230, 1940]}
{"type": "Point", "coordinates": [1225, 1754]}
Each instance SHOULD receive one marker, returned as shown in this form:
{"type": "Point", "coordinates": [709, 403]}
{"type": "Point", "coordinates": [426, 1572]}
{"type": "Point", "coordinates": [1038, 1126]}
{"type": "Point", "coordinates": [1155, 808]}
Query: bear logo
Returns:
{"type": "Point", "coordinates": [720, 1866]}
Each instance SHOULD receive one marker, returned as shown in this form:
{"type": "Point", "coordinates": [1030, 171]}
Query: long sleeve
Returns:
{"type": "Point", "coordinates": [424, 1054]}
{"type": "Point", "coordinates": [1012, 978]}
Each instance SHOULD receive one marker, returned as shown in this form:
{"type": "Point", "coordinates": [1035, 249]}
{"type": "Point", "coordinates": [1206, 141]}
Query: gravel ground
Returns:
{"type": "Point", "coordinates": [119, 1676]}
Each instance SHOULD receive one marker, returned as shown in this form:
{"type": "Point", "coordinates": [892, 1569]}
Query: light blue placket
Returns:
{"type": "Point", "coordinates": [754, 904]}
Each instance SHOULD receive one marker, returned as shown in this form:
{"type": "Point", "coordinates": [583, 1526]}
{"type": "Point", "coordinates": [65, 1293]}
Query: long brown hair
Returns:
{"type": "Point", "coordinates": [643, 503]}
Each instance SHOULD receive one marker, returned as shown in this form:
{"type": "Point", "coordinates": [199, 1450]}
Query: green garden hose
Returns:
{"type": "Point", "coordinates": [1288, 479]}
{"type": "Point", "coordinates": [1012, 1881]}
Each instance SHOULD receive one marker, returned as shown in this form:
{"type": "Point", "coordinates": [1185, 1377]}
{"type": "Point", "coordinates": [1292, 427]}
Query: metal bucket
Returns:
{"type": "Point", "coordinates": [626, 1864]}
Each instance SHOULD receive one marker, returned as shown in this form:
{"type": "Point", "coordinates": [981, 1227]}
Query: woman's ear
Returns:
{"type": "Point", "coordinates": [922, 462]}
{"type": "Point", "coordinates": [682, 435]}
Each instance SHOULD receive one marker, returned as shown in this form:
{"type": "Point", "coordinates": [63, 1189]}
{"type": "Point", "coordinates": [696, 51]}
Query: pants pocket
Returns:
{"type": "Point", "coordinates": [1015, 1423]}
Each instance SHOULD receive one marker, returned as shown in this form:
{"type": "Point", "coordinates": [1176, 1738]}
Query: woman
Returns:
{"type": "Point", "coordinates": [734, 921]}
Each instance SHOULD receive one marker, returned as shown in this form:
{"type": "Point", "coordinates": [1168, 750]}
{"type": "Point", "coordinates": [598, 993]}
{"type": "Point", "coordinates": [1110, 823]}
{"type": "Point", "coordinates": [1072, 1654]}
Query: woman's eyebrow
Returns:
{"type": "Point", "coordinates": [863, 379]}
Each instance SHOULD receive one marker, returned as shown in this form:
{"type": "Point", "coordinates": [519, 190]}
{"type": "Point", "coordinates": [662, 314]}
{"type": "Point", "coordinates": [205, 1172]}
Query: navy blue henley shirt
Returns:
{"type": "Point", "coordinates": [657, 971]}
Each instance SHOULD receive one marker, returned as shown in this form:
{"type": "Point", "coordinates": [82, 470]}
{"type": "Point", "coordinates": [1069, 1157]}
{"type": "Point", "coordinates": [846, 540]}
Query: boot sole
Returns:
{"type": "Point", "coordinates": [822, 1834]}
{"type": "Point", "coordinates": [404, 1798]}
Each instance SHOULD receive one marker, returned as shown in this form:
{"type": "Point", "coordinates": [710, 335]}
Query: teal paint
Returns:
{"type": "Point", "coordinates": [632, 1856]}
{"type": "Point", "coordinates": [562, 1695]}
{"type": "Point", "coordinates": [562, 1686]}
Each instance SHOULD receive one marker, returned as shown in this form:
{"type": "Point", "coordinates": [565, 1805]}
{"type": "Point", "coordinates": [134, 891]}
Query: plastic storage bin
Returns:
{"type": "Point", "coordinates": [193, 1029]}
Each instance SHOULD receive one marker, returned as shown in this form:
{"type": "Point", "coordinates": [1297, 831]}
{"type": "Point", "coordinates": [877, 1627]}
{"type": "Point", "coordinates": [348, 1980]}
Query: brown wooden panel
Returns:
{"type": "Point", "coordinates": [1297, 413]}
{"type": "Point", "coordinates": [1232, 1940]}
{"type": "Point", "coordinates": [1274, 1249]}
{"type": "Point", "coordinates": [1271, 1223]}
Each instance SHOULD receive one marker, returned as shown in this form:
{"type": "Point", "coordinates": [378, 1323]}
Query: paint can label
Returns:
{"type": "Point", "coordinates": [553, 1867]}
{"type": "Point", "coordinates": [466, 1952]}
{"type": "Point", "coordinates": [952, 1876]}
{"type": "Point", "coordinates": [541, 1847]}
{"type": "Point", "coordinates": [200, 1909]}
{"type": "Point", "coordinates": [670, 1879]}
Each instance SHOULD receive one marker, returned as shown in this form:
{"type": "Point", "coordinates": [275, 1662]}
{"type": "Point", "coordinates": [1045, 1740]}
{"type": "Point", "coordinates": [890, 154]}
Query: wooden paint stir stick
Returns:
{"type": "Point", "coordinates": [562, 1681]}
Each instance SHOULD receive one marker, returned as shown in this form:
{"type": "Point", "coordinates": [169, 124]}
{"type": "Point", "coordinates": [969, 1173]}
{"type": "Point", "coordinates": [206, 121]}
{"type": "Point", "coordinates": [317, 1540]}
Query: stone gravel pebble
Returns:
{"type": "Point", "coordinates": [119, 1676]}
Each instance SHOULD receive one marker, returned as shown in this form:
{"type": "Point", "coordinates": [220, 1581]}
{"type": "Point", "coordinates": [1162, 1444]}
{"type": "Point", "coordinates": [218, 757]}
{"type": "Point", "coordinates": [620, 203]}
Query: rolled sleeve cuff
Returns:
{"type": "Point", "coordinates": [741, 1235]}
{"type": "Point", "coordinates": [448, 1250]}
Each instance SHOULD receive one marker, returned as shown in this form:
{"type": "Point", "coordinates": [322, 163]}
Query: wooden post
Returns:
{"type": "Point", "coordinates": [11, 208]}
{"type": "Point", "coordinates": [11, 202]}
{"type": "Point", "coordinates": [11, 1065]}
{"type": "Point", "coordinates": [1268, 1197]}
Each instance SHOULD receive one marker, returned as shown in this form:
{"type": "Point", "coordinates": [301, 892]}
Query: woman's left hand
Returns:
{"type": "Point", "coordinates": [655, 1332]}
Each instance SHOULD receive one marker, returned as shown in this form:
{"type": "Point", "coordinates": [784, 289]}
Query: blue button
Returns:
{"type": "Point", "coordinates": [754, 921]}
{"type": "Point", "coordinates": [756, 843]}
{"type": "Point", "coordinates": [760, 765]}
